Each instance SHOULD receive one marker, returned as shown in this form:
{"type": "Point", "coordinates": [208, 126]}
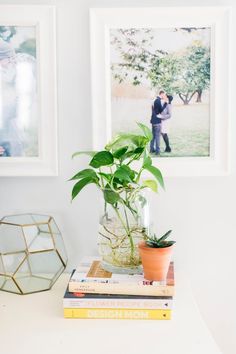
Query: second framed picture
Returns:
{"type": "Point", "coordinates": [163, 67]}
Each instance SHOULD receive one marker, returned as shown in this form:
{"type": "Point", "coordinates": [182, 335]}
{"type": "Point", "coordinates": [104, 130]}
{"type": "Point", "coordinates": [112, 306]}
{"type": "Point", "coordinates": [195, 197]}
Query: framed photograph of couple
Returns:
{"type": "Point", "coordinates": [28, 124]}
{"type": "Point", "coordinates": [166, 68]}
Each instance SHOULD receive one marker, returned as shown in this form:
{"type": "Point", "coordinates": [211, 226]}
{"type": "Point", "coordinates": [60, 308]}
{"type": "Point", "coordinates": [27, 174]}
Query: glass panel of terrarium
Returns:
{"type": "Point", "coordinates": [9, 285]}
{"type": "Point", "coordinates": [12, 262]}
{"type": "Point", "coordinates": [38, 219]}
{"type": "Point", "coordinates": [28, 282]}
{"type": "Point", "coordinates": [40, 240]}
{"type": "Point", "coordinates": [57, 274]}
{"type": "Point", "coordinates": [45, 264]}
{"type": "Point", "coordinates": [2, 270]}
{"type": "Point", "coordinates": [33, 284]}
{"type": "Point", "coordinates": [59, 243]}
{"type": "Point", "coordinates": [24, 270]}
{"type": "Point", "coordinates": [54, 227]}
{"type": "Point", "coordinates": [21, 219]}
{"type": "Point", "coordinates": [11, 239]}
{"type": "Point", "coordinates": [30, 233]}
{"type": "Point", "coordinates": [2, 280]}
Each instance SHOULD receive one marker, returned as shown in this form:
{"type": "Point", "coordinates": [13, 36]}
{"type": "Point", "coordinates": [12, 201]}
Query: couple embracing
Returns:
{"type": "Point", "coordinates": [161, 113]}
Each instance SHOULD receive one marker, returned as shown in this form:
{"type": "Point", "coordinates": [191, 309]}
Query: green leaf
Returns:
{"type": "Point", "coordinates": [139, 140]}
{"type": "Point", "coordinates": [138, 150]}
{"type": "Point", "coordinates": [125, 139]}
{"type": "Point", "coordinates": [110, 196]}
{"type": "Point", "coordinates": [170, 243]}
{"type": "Point", "coordinates": [80, 185]}
{"type": "Point", "coordinates": [150, 183]}
{"type": "Point", "coordinates": [147, 161]}
{"type": "Point", "coordinates": [151, 243]}
{"type": "Point", "coordinates": [89, 153]}
{"type": "Point", "coordinates": [164, 237]}
{"type": "Point", "coordinates": [124, 173]}
{"type": "Point", "coordinates": [107, 176]}
{"type": "Point", "coordinates": [120, 152]}
{"type": "Point", "coordinates": [164, 244]}
{"type": "Point", "coordinates": [101, 158]}
{"type": "Point", "coordinates": [111, 144]}
{"type": "Point", "coordinates": [159, 242]}
{"type": "Point", "coordinates": [88, 172]}
{"type": "Point", "coordinates": [147, 132]}
{"type": "Point", "coordinates": [156, 173]}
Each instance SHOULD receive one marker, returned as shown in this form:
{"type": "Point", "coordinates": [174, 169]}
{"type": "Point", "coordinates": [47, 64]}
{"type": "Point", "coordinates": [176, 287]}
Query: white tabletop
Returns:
{"type": "Point", "coordinates": [34, 324]}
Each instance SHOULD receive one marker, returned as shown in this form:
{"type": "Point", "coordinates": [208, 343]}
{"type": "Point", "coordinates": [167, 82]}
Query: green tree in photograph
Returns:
{"type": "Point", "coordinates": [185, 72]}
{"type": "Point", "coordinates": [136, 54]}
{"type": "Point", "coordinates": [194, 76]}
{"type": "Point", "coordinates": [164, 72]}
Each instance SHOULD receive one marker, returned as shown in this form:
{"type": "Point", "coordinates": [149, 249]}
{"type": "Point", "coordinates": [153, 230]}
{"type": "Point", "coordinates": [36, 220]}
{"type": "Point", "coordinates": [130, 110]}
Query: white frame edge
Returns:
{"type": "Point", "coordinates": [216, 17]}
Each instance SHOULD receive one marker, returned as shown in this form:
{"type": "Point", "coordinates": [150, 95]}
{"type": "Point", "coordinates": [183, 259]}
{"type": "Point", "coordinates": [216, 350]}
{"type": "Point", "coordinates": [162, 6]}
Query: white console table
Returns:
{"type": "Point", "coordinates": [34, 324]}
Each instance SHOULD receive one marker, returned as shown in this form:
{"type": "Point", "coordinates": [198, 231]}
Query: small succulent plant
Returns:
{"type": "Point", "coordinates": [161, 242]}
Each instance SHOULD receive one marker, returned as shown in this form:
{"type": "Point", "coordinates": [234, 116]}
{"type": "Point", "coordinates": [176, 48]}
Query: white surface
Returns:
{"type": "Point", "coordinates": [35, 324]}
{"type": "Point", "coordinates": [200, 211]}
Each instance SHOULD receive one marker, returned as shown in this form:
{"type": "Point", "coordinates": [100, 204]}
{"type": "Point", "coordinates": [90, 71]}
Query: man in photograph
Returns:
{"type": "Point", "coordinates": [159, 105]}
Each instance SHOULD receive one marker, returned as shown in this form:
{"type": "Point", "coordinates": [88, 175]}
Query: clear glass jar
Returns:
{"type": "Point", "coordinates": [121, 227]}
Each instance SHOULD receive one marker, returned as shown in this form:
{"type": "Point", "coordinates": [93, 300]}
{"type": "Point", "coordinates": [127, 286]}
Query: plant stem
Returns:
{"type": "Point", "coordinates": [138, 176]}
{"type": "Point", "coordinates": [102, 182]}
{"type": "Point", "coordinates": [126, 227]}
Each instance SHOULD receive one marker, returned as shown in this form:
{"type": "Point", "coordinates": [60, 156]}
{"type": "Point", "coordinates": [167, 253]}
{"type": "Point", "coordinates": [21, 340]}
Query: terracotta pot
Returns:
{"type": "Point", "coordinates": [155, 261]}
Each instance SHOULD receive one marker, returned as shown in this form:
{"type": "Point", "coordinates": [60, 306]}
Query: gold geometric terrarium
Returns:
{"type": "Point", "coordinates": [32, 253]}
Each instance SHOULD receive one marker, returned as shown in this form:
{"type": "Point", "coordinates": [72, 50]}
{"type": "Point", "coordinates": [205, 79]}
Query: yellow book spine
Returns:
{"type": "Point", "coordinates": [122, 314]}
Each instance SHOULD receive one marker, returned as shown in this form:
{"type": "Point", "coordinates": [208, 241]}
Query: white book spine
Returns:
{"type": "Point", "coordinates": [161, 304]}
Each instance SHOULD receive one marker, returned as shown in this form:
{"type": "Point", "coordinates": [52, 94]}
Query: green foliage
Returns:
{"type": "Point", "coordinates": [118, 154]}
{"type": "Point", "coordinates": [165, 71]}
{"type": "Point", "coordinates": [88, 153]}
{"type": "Point", "coordinates": [182, 72]}
{"type": "Point", "coordinates": [150, 183]}
{"type": "Point", "coordinates": [113, 172]}
{"type": "Point", "coordinates": [102, 158]}
{"type": "Point", "coordinates": [110, 196]}
{"type": "Point", "coordinates": [161, 242]}
{"type": "Point", "coordinates": [147, 132]}
{"type": "Point", "coordinates": [85, 173]}
{"type": "Point", "coordinates": [147, 165]}
{"type": "Point", "coordinates": [81, 184]}
{"type": "Point", "coordinates": [125, 174]}
{"type": "Point", "coordinates": [28, 47]}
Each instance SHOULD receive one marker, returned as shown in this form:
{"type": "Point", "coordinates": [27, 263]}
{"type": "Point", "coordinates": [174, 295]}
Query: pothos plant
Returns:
{"type": "Point", "coordinates": [117, 171]}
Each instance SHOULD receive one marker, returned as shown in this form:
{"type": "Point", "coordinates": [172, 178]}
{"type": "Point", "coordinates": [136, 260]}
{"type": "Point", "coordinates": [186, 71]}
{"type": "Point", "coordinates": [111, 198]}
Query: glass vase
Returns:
{"type": "Point", "coordinates": [121, 227]}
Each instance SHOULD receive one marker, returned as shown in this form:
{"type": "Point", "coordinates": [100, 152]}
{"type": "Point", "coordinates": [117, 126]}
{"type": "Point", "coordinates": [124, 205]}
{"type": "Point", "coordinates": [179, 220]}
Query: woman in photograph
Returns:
{"type": "Point", "coordinates": [165, 116]}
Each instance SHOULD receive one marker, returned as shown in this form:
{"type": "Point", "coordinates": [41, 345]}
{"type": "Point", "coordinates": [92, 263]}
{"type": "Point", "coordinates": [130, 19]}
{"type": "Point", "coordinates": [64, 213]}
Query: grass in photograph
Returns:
{"type": "Point", "coordinates": [189, 126]}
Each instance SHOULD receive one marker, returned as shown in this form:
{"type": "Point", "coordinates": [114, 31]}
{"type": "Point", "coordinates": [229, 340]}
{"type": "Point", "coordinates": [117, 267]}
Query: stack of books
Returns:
{"type": "Point", "coordinates": [93, 292]}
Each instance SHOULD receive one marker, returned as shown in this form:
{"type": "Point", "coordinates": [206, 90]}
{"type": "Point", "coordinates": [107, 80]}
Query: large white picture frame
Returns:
{"type": "Point", "coordinates": [41, 19]}
{"type": "Point", "coordinates": [102, 20]}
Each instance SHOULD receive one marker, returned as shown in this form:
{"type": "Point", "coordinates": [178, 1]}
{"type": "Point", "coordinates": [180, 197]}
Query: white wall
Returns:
{"type": "Point", "coordinates": [199, 210]}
